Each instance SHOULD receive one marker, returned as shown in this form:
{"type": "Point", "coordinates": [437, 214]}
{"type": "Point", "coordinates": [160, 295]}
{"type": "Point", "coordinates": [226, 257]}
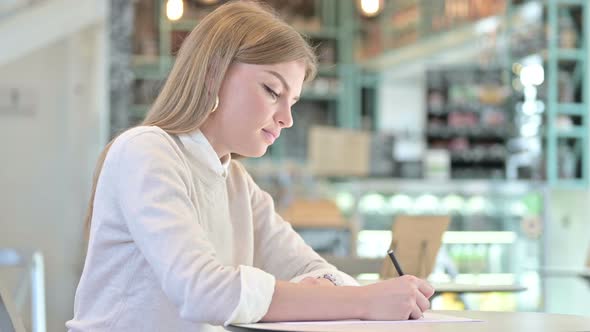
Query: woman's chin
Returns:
{"type": "Point", "coordinates": [261, 152]}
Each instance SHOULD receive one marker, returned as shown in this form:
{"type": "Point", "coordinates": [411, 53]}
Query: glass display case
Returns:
{"type": "Point", "coordinates": [495, 235]}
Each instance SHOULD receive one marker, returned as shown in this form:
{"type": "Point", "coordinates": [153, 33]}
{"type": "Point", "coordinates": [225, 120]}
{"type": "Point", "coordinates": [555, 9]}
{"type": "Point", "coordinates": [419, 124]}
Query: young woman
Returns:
{"type": "Point", "coordinates": [181, 238]}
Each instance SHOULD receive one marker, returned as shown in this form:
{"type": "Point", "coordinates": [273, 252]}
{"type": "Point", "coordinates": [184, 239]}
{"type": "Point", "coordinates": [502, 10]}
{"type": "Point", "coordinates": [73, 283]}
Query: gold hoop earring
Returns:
{"type": "Point", "coordinates": [216, 104]}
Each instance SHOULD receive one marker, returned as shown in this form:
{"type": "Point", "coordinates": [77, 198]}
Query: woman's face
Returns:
{"type": "Point", "coordinates": [254, 106]}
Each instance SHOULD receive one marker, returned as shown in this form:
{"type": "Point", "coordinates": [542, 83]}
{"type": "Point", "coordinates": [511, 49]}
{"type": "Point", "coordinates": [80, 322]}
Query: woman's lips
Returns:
{"type": "Point", "coordinates": [270, 136]}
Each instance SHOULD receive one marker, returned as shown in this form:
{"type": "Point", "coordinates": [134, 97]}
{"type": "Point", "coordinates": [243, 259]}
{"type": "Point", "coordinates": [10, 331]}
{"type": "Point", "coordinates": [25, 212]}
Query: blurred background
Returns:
{"type": "Point", "coordinates": [475, 110]}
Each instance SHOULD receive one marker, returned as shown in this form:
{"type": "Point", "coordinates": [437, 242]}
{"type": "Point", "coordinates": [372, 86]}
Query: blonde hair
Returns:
{"type": "Point", "coordinates": [239, 31]}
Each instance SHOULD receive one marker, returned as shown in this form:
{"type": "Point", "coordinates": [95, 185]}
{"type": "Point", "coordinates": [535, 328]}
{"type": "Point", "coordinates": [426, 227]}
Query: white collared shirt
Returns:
{"type": "Point", "coordinates": [220, 166]}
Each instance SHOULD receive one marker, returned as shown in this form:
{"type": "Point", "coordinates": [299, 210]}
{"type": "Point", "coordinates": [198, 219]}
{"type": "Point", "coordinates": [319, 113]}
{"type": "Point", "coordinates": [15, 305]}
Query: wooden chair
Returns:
{"type": "Point", "coordinates": [415, 241]}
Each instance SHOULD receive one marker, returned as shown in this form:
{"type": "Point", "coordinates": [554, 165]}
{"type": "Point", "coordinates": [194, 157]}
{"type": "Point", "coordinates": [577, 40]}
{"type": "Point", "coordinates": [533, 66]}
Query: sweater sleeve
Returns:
{"type": "Point", "coordinates": [163, 222]}
{"type": "Point", "coordinates": [281, 251]}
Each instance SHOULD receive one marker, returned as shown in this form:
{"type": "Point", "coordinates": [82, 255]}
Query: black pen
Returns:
{"type": "Point", "coordinates": [395, 263]}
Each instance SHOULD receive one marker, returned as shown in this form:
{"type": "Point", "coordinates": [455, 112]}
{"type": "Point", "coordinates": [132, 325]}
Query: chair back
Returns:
{"type": "Point", "coordinates": [415, 241]}
{"type": "Point", "coordinates": [9, 319]}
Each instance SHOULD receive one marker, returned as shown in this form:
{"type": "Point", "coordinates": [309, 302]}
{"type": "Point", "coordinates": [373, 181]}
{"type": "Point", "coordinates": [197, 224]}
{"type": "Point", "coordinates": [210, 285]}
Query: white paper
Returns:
{"type": "Point", "coordinates": [429, 317]}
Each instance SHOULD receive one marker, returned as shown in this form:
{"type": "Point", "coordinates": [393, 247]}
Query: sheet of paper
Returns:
{"type": "Point", "coordinates": [429, 317]}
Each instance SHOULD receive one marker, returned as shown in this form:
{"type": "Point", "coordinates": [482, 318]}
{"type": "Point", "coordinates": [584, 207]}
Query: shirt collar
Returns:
{"type": "Point", "coordinates": [208, 154]}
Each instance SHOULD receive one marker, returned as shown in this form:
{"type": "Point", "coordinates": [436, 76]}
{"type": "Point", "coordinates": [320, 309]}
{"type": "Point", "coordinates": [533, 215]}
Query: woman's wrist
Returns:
{"type": "Point", "coordinates": [330, 277]}
{"type": "Point", "coordinates": [360, 298]}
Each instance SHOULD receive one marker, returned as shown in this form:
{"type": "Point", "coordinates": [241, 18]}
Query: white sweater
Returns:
{"type": "Point", "coordinates": [180, 241]}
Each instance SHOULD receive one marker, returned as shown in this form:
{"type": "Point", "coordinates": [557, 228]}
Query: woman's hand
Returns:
{"type": "Point", "coordinates": [402, 298]}
{"type": "Point", "coordinates": [316, 281]}
{"type": "Point", "coordinates": [394, 299]}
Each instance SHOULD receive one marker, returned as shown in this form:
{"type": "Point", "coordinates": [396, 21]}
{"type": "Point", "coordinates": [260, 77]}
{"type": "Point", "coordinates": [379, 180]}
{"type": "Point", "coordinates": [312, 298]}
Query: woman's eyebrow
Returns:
{"type": "Point", "coordinates": [283, 81]}
{"type": "Point", "coordinates": [280, 77]}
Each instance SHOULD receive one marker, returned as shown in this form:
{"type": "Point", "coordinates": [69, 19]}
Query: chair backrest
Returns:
{"type": "Point", "coordinates": [9, 320]}
{"type": "Point", "coordinates": [415, 241]}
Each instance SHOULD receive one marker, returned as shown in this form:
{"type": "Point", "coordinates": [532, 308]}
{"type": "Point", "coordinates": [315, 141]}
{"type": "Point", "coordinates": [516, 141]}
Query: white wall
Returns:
{"type": "Point", "coordinates": [568, 232]}
{"type": "Point", "coordinates": [48, 158]}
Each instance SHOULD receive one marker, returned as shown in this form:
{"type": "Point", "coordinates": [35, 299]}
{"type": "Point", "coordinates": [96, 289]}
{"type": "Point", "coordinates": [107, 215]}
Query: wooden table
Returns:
{"type": "Point", "coordinates": [490, 321]}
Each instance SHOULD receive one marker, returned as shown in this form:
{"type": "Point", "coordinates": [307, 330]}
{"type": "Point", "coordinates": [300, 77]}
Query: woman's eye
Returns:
{"type": "Point", "coordinates": [271, 92]}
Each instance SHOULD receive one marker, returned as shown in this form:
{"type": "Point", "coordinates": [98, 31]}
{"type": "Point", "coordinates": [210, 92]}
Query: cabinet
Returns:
{"type": "Point", "coordinates": [495, 235]}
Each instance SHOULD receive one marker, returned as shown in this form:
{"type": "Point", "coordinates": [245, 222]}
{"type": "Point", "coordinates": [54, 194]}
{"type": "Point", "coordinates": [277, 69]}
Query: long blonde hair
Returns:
{"type": "Point", "coordinates": [239, 31]}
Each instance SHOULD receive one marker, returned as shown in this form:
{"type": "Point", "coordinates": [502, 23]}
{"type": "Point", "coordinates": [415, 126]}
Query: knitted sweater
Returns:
{"type": "Point", "coordinates": [181, 241]}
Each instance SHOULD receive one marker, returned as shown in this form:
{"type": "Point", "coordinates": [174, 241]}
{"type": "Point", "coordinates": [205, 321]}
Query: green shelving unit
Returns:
{"type": "Point", "coordinates": [569, 143]}
{"type": "Point", "coordinates": [557, 138]}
